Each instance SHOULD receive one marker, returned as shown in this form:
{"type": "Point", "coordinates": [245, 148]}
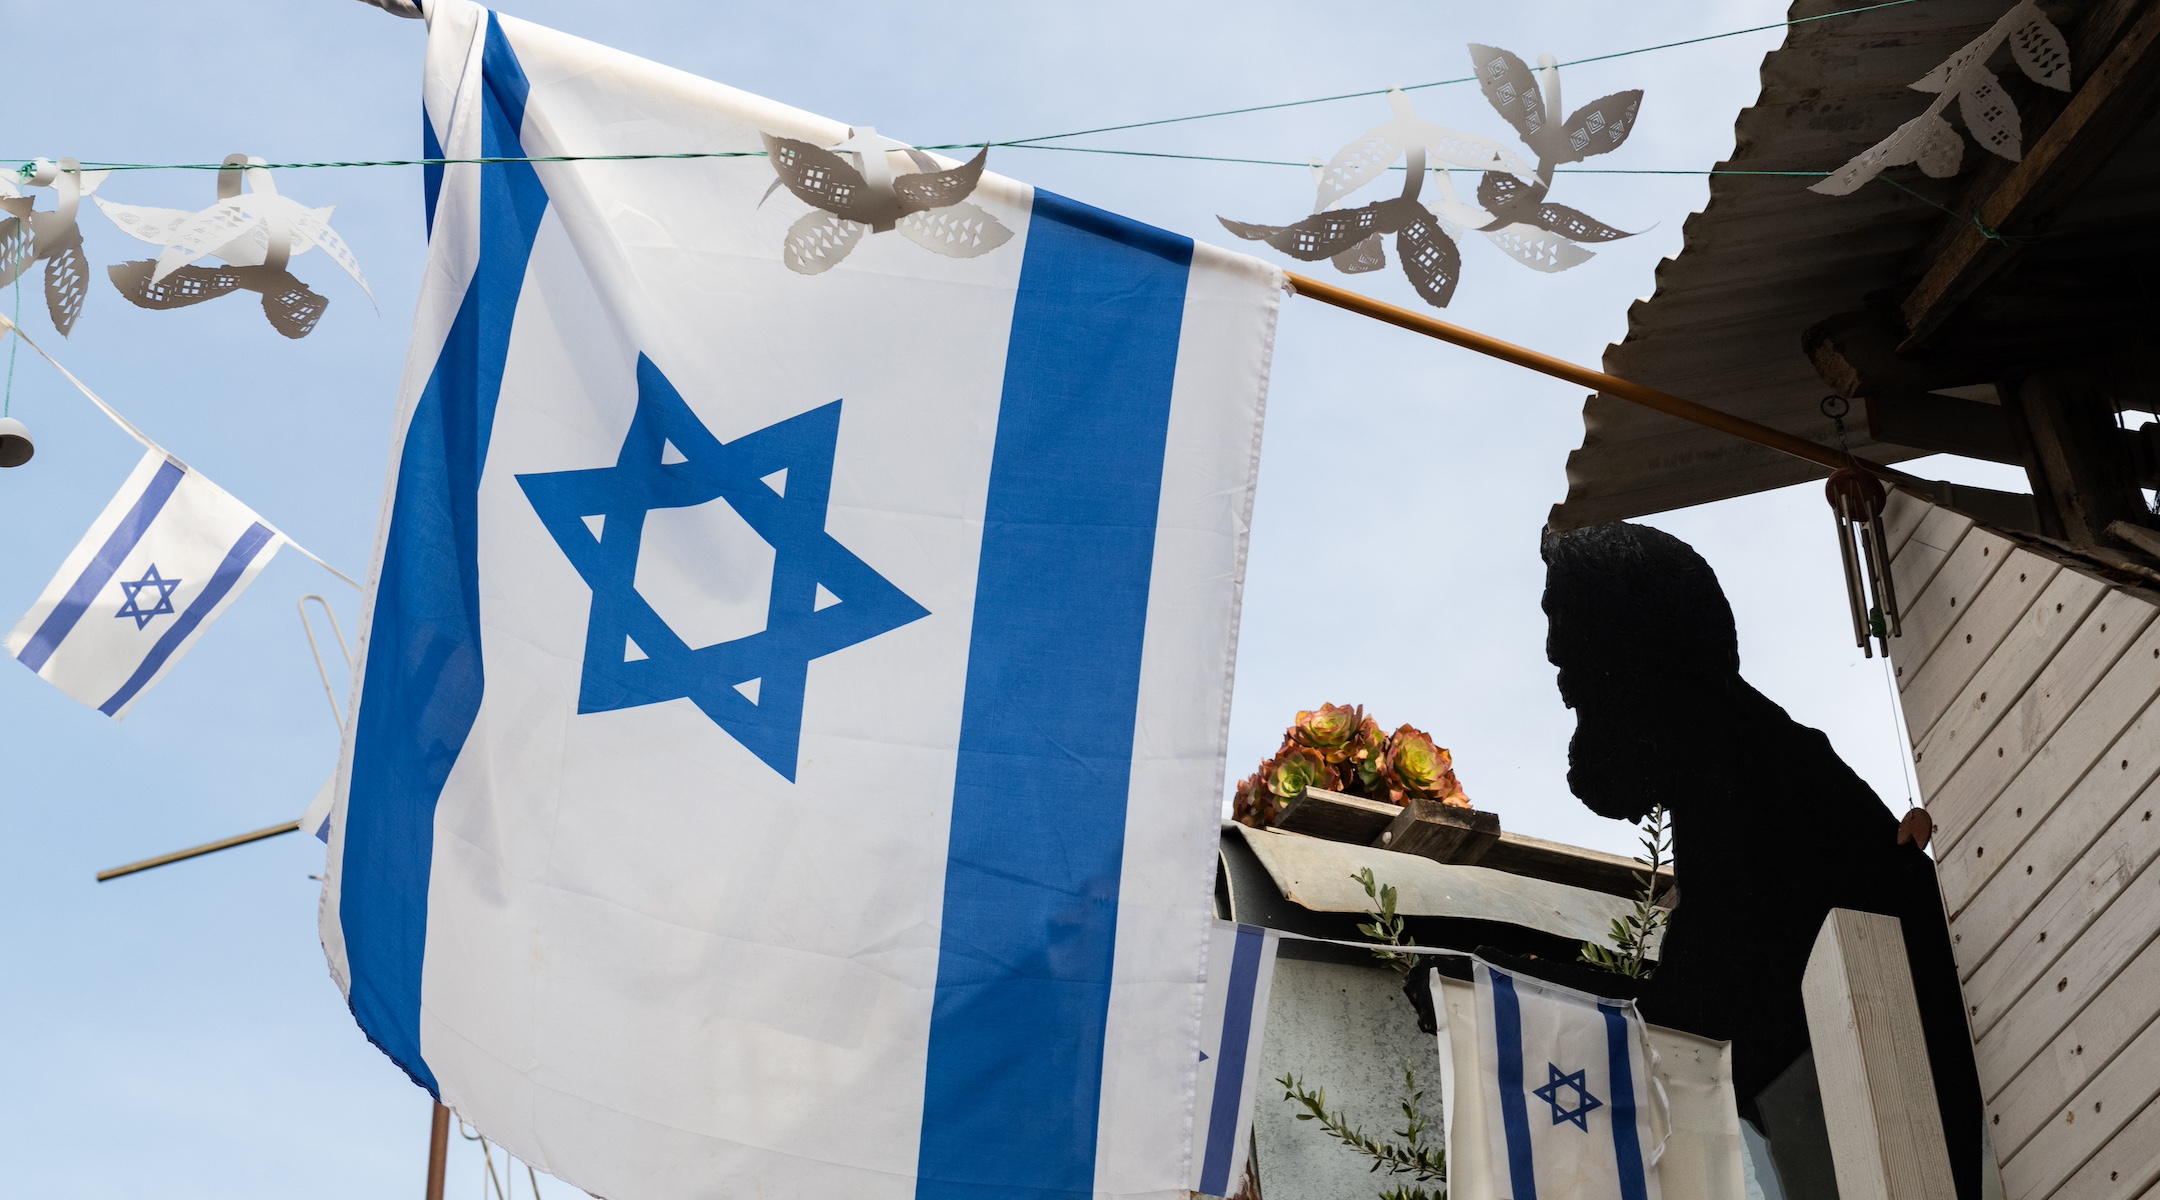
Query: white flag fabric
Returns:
{"type": "Point", "coordinates": [788, 747]}
{"type": "Point", "coordinates": [1568, 1084]}
{"type": "Point", "coordinates": [1233, 1023]}
{"type": "Point", "coordinates": [166, 556]}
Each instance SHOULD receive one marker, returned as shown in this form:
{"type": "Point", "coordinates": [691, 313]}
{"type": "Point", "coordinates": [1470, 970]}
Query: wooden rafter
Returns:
{"type": "Point", "coordinates": [2116, 98]}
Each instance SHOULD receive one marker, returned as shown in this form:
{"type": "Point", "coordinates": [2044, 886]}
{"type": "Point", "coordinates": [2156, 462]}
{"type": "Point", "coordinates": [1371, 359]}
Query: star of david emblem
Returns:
{"type": "Point", "coordinates": [150, 582]}
{"type": "Point", "coordinates": [823, 599]}
{"type": "Point", "coordinates": [1584, 1101]}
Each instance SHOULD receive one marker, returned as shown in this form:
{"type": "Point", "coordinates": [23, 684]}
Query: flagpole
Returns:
{"type": "Point", "coordinates": [1611, 385]}
{"type": "Point", "coordinates": [438, 1156]}
{"type": "Point", "coordinates": [198, 851]}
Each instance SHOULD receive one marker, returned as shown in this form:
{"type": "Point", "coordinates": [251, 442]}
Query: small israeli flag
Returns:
{"type": "Point", "coordinates": [1233, 1023]}
{"type": "Point", "coordinates": [1568, 1081]}
{"type": "Point", "coordinates": [160, 563]}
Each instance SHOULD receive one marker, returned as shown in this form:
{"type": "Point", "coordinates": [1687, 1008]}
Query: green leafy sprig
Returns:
{"type": "Point", "coordinates": [1410, 1154]}
{"type": "Point", "coordinates": [1385, 927]}
{"type": "Point", "coordinates": [1632, 934]}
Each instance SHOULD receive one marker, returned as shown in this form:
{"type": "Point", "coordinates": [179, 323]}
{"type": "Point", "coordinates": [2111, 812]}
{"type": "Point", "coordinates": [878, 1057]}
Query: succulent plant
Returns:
{"type": "Point", "coordinates": [1418, 766]}
{"type": "Point", "coordinates": [1328, 730]}
{"type": "Point", "coordinates": [1364, 768]}
{"type": "Point", "coordinates": [1254, 804]}
{"type": "Point", "coordinates": [1294, 769]}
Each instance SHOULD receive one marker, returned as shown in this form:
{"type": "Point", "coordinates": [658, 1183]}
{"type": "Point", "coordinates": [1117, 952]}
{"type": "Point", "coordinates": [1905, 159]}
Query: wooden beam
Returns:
{"type": "Point", "coordinates": [2114, 101]}
{"type": "Point", "coordinates": [1611, 385]}
{"type": "Point", "coordinates": [1878, 1093]}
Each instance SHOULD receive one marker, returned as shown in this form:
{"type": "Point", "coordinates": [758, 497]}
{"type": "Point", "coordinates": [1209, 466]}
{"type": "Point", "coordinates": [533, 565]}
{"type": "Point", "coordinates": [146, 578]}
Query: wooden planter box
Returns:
{"type": "Point", "coordinates": [1423, 827]}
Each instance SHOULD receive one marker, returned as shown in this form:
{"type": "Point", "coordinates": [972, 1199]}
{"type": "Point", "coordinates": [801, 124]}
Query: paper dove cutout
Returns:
{"type": "Point", "coordinates": [1511, 209]}
{"type": "Point", "coordinates": [1990, 115]}
{"type": "Point", "coordinates": [928, 208]}
{"type": "Point", "coordinates": [256, 232]}
{"type": "Point", "coordinates": [28, 235]}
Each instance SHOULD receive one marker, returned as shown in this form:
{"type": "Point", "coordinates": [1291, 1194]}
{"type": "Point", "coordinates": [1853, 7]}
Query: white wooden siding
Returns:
{"type": "Point", "coordinates": [2028, 688]}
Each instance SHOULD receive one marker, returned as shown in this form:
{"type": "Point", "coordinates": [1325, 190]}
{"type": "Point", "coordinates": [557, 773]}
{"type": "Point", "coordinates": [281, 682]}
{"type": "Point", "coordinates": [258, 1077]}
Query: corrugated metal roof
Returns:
{"type": "Point", "coordinates": [1764, 260]}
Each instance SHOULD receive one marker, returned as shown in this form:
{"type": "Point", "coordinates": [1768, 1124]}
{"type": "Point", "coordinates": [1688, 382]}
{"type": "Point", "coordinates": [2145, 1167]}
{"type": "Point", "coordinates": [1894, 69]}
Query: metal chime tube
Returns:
{"type": "Point", "coordinates": [1853, 592]}
{"type": "Point", "coordinates": [1886, 596]}
{"type": "Point", "coordinates": [1875, 574]}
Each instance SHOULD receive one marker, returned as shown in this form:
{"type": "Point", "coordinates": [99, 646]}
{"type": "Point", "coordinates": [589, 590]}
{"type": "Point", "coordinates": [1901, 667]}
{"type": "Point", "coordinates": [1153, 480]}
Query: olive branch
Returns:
{"type": "Point", "coordinates": [1631, 934]}
{"type": "Point", "coordinates": [1410, 1155]}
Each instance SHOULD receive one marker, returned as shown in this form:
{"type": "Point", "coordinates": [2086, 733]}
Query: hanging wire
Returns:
{"type": "Point", "coordinates": [7, 402]}
{"type": "Point", "coordinates": [1035, 143]}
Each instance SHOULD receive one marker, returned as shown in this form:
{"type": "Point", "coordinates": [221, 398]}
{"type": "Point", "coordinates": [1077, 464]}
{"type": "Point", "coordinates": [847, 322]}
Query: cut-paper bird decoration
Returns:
{"type": "Point", "coordinates": [29, 235]}
{"type": "Point", "coordinates": [1929, 139]}
{"type": "Point", "coordinates": [1511, 210]}
{"type": "Point", "coordinates": [928, 207]}
{"type": "Point", "coordinates": [256, 232]}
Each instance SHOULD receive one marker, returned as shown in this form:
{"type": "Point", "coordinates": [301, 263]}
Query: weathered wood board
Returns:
{"type": "Point", "coordinates": [2028, 685]}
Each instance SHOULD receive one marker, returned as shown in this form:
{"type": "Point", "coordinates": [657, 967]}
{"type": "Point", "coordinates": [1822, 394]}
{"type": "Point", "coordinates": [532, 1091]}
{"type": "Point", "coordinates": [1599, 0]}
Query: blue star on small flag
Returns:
{"type": "Point", "coordinates": [823, 598]}
{"type": "Point", "coordinates": [151, 580]}
{"type": "Point", "coordinates": [1585, 1102]}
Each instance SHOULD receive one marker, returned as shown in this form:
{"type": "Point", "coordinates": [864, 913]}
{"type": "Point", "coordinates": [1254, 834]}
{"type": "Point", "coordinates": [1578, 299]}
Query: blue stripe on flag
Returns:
{"type": "Point", "coordinates": [228, 573]}
{"type": "Point", "coordinates": [100, 570]}
{"type": "Point", "coordinates": [1626, 1141]}
{"type": "Point", "coordinates": [1230, 1061]}
{"type": "Point", "coordinates": [1013, 1082]}
{"type": "Point", "coordinates": [424, 675]}
{"type": "Point", "coordinates": [1514, 1116]}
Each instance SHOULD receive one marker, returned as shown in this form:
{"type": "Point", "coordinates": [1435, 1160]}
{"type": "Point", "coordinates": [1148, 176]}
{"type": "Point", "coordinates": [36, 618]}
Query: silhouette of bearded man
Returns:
{"type": "Point", "coordinates": [1771, 830]}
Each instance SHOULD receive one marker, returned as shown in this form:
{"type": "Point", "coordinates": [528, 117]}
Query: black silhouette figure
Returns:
{"type": "Point", "coordinates": [1771, 830]}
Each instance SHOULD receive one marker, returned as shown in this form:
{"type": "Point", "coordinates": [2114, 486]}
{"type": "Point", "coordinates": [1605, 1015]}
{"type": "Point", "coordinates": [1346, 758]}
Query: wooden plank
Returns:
{"type": "Point", "coordinates": [2086, 1122]}
{"type": "Point", "coordinates": [1442, 833]}
{"type": "Point", "coordinates": [1902, 516]}
{"type": "Point", "coordinates": [2019, 1102]}
{"type": "Point", "coordinates": [1913, 567]}
{"type": "Point", "coordinates": [2049, 937]}
{"type": "Point", "coordinates": [2003, 679]}
{"type": "Point", "coordinates": [2067, 870]}
{"type": "Point", "coordinates": [2124, 1169]}
{"type": "Point", "coordinates": [2069, 985]}
{"type": "Point", "coordinates": [2112, 103]}
{"type": "Point", "coordinates": [1878, 1093]}
{"type": "Point", "coordinates": [1336, 817]}
{"type": "Point", "coordinates": [1967, 856]}
{"type": "Point", "coordinates": [1931, 610]}
{"type": "Point", "coordinates": [2101, 640]}
{"type": "Point", "coordinates": [1555, 862]}
{"type": "Point", "coordinates": [1986, 619]}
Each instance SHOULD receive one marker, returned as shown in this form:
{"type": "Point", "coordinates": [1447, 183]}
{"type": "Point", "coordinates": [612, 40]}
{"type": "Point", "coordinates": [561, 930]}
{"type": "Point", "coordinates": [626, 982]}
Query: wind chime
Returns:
{"type": "Point", "coordinates": [1856, 500]}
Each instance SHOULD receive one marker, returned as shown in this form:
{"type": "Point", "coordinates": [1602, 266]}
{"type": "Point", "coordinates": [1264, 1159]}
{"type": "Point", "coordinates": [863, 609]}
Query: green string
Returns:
{"type": "Point", "coordinates": [1987, 231]}
{"type": "Point", "coordinates": [1034, 143]}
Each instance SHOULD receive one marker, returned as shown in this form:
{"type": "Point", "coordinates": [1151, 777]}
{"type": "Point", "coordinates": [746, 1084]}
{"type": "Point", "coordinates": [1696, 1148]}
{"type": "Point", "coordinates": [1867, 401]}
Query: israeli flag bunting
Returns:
{"type": "Point", "coordinates": [167, 555]}
{"type": "Point", "coordinates": [789, 738]}
{"type": "Point", "coordinates": [1233, 1023]}
{"type": "Point", "coordinates": [1570, 1089]}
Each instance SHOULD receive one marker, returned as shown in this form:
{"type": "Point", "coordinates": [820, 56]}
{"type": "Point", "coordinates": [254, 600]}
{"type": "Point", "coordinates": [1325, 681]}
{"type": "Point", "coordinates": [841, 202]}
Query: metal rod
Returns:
{"type": "Point", "coordinates": [1889, 586]}
{"type": "Point", "coordinates": [1852, 574]}
{"type": "Point", "coordinates": [320, 670]}
{"type": "Point", "coordinates": [1523, 356]}
{"type": "Point", "coordinates": [438, 1153]}
{"type": "Point", "coordinates": [1875, 575]}
{"type": "Point", "coordinates": [198, 851]}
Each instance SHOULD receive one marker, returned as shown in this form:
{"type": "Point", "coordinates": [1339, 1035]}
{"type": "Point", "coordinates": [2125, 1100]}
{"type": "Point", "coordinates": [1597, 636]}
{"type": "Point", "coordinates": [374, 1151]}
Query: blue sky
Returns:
{"type": "Point", "coordinates": [175, 1034]}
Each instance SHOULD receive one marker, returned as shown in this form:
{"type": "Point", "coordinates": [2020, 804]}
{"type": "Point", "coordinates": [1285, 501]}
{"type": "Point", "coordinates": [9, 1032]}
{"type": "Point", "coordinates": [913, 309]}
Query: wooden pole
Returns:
{"type": "Point", "coordinates": [198, 851]}
{"type": "Point", "coordinates": [438, 1154]}
{"type": "Point", "coordinates": [1878, 1091]}
{"type": "Point", "coordinates": [1611, 385]}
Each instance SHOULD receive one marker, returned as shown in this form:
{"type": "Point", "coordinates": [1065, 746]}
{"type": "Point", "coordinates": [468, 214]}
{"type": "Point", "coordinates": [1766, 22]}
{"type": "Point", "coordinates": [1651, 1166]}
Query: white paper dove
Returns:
{"type": "Point", "coordinates": [1930, 141]}
{"type": "Point", "coordinates": [28, 234]}
{"type": "Point", "coordinates": [849, 199]}
{"type": "Point", "coordinates": [1511, 211]}
{"type": "Point", "coordinates": [256, 232]}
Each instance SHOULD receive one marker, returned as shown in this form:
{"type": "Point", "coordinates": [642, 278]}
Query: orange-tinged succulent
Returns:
{"type": "Point", "coordinates": [1297, 768]}
{"type": "Point", "coordinates": [1418, 766]}
{"type": "Point", "coordinates": [1254, 804]}
{"type": "Point", "coordinates": [1365, 765]}
{"type": "Point", "coordinates": [1328, 730]}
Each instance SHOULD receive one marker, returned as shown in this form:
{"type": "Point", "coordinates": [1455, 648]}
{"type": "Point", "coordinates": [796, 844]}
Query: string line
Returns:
{"type": "Point", "coordinates": [1035, 143]}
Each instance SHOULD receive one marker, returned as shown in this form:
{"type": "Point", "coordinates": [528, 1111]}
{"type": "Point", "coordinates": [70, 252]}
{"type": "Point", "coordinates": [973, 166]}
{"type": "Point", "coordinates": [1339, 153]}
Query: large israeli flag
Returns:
{"type": "Point", "coordinates": [788, 748]}
{"type": "Point", "coordinates": [1571, 1097]}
